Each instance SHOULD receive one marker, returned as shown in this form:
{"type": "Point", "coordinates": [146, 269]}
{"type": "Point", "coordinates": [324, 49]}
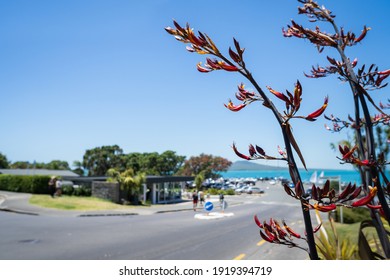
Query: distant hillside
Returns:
{"type": "Point", "coordinates": [248, 165]}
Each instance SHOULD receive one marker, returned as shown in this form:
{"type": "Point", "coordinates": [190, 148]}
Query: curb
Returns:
{"type": "Point", "coordinates": [108, 214]}
{"type": "Point", "coordinates": [169, 211]}
{"type": "Point", "coordinates": [5, 209]}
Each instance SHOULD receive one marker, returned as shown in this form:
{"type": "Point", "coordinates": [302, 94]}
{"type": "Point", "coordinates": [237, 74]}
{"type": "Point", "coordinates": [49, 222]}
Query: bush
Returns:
{"type": "Point", "coordinates": [67, 190]}
{"type": "Point", "coordinates": [37, 184]}
{"type": "Point", "coordinates": [213, 191]}
{"type": "Point", "coordinates": [353, 215]}
{"type": "Point", "coordinates": [230, 192]}
{"type": "Point", "coordinates": [82, 190]}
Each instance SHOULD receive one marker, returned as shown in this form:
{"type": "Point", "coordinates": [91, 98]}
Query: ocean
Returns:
{"type": "Point", "coordinates": [346, 176]}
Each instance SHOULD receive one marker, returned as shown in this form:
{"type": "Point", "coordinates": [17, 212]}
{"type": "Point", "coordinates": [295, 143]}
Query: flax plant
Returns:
{"type": "Point", "coordinates": [323, 198]}
{"type": "Point", "coordinates": [363, 155]}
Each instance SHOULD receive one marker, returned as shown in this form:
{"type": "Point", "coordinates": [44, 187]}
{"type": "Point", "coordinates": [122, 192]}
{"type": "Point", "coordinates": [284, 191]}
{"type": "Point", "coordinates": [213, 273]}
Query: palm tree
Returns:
{"type": "Point", "coordinates": [129, 182]}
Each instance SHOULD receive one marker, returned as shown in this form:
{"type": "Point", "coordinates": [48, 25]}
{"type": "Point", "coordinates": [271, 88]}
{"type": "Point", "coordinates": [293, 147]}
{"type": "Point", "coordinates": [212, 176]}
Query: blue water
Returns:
{"type": "Point", "coordinates": [345, 175]}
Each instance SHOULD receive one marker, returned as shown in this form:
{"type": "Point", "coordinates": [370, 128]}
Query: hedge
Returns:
{"type": "Point", "coordinates": [37, 184]}
{"type": "Point", "coordinates": [353, 215]}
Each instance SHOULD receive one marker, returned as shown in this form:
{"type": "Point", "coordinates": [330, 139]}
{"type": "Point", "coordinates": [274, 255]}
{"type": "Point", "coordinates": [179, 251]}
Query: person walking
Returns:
{"type": "Point", "coordinates": [194, 200]}
{"type": "Point", "coordinates": [52, 186]}
{"type": "Point", "coordinates": [221, 198]}
{"type": "Point", "coordinates": [58, 187]}
{"type": "Point", "coordinates": [200, 197]}
{"type": "Point", "coordinates": [222, 202]}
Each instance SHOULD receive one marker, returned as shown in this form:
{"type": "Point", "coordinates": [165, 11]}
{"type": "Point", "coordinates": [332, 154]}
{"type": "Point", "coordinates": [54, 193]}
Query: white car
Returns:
{"type": "Point", "coordinates": [252, 190]}
{"type": "Point", "coordinates": [241, 190]}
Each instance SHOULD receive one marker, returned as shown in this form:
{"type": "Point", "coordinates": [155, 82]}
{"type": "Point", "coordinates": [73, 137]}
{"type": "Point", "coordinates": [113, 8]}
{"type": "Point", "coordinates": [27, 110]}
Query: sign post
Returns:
{"type": "Point", "coordinates": [208, 206]}
{"type": "Point", "coordinates": [224, 205]}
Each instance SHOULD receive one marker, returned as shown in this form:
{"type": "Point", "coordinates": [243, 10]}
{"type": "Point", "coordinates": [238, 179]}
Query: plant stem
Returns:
{"type": "Point", "coordinates": [294, 173]}
{"type": "Point", "coordinates": [368, 174]}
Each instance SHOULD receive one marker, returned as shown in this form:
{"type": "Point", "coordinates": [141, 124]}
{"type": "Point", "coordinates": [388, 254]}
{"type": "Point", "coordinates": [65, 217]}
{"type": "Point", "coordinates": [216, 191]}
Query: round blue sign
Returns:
{"type": "Point", "coordinates": [208, 206]}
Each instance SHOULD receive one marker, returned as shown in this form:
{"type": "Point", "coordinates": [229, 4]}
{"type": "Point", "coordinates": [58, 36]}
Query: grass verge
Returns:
{"type": "Point", "coordinates": [75, 203]}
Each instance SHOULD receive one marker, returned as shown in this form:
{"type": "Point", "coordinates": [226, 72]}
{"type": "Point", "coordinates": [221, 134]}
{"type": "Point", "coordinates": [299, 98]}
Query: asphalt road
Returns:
{"type": "Point", "coordinates": [170, 236]}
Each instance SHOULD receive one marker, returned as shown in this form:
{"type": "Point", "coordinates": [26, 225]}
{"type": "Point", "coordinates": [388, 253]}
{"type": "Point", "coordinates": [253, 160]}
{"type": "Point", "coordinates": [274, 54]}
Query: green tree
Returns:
{"type": "Point", "coordinates": [78, 167]}
{"type": "Point", "coordinates": [199, 179]}
{"type": "Point", "coordinates": [4, 163]}
{"type": "Point", "coordinates": [383, 140]}
{"type": "Point", "coordinates": [208, 165]}
{"type": "Point", "coordinates": [168, 163]}
{"type": "Point", "coordinates": [20, 165]}
{"type": "Point", "coordinates": [57, 165]}
{"type": "Point", "coordinates": [165, 164]}
{"type": "Point", "coordinates": [99, 160]}
{"type": "Point", "coordinates": [133, 161]}
{"type": "Point", "coordinates": [129, 181]}
{"type": "Point", "coordinates": [149, 162]}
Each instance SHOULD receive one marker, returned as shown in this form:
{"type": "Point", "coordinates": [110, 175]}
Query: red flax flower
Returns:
{"type": "Point", "coordinates": [203, 69]}
{"type": "Point", "coordinates": [234, 108]}
{"type": "Point", "coordinates": [240, 154]}
{"type": "Point", "coordinates": [367, 199]}
{"type": "Point", "coordinates": [317, 113]}
{"type": "Point", "coordinates": [382, 75]}
{"type": "Point", "coordinates": [362, 35]}
{"type": "Point", "coordinates": [290, 231]}
{"type": "Point", "coordinates": [202, 44]}
{"type": "Point", "coordinates": [348, 156]}
{"type": "Point", "coordinates": [244, 95]}
{"type": "Point", "coordinates": [279, 95]}
{"type": "Point", "coordinates": [324, 208]}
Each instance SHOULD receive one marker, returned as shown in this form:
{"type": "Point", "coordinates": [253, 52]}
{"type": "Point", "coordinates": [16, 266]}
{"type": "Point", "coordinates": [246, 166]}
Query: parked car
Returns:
{"type": "Point", "coordinates": [241, 190]}
{"type": "Point", "coordinates": [252, 190]}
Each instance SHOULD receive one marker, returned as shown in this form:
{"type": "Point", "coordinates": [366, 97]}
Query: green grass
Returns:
{"type": "Point", "coordinates": [348, 231]}
{"type": "Point", "coordinates": [75, 203]}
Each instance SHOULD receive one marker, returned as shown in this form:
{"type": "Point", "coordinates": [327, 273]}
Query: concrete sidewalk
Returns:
{"type": "Point", "coordinates": [19, 203]}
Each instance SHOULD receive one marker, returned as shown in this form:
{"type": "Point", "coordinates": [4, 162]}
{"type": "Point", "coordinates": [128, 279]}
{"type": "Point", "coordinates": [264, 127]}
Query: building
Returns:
{"type": "Point", "coordinates": [165, 189]}
{"type": "Point", "coordinates": [157, 189]}
{"type": "Point", "coordinates": [48, 172]}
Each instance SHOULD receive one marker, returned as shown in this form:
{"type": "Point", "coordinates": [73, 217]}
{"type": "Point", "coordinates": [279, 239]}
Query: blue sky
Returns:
{"type": "Point", "coordinates": [75, 75]}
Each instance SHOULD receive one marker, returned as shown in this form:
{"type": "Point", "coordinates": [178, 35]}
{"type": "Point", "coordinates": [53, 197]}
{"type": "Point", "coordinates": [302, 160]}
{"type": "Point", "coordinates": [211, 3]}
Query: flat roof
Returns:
{"type": "Point", "coordinates": [49, 172]}
{"type": "Point", "coordinates": [149, 179]}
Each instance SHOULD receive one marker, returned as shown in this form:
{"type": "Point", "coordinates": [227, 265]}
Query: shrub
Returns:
{"type": "Point", "coordinates": [230, 192]}
{"type": "Point", "coordinates": [213, 191]}
{"type": "Point", "coordinates": [37, 184]}
{"type": "Point", "coordinates": [67, 190]}
{"type": "Point", "coordinates": [82, 190]}
{"type": "Point", "coordinates": [353, 215]}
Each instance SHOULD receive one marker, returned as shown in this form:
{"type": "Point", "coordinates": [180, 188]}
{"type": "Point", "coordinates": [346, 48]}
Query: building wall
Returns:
{"type": "Point", "coordinates": [165, 192]}
{"type": "Point", "coordinates": [159, 190]}
{"type": "Point", "coordinates": [106, 190]}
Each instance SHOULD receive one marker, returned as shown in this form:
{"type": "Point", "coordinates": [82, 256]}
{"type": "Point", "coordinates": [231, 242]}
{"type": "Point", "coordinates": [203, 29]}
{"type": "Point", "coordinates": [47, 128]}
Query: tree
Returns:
{"type": "Point", "coordinates": [99, 160]}
{"type": "Point", "coordinates": [165, 164]}
{"type": "Point", "coordinates": [168, 163]}
{"type": "Point", "coordinates": [57, 165]}
{"type": "Point", "coordinates": [4, 163]}
{"type": "Point", "coordinates": [199, 179]}
{"type": "Point", "coordinates": [132, 161]}
{"type": "Point", "coordinates": [383, 141]}
{"type": "Point", "coordinates": [208, 165]}
{"type": "Point", "coordinates": [129, 181]}
{"type": "Point", "coordinates": [20, 165]}
{"type": "Point", "coordinates": [149, 163]}
{"type": "Point", "coordinates": [78, 167]}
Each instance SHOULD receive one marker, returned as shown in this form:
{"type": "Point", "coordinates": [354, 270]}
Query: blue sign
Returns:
{"type": "Point", "coordinates": [208, 206]}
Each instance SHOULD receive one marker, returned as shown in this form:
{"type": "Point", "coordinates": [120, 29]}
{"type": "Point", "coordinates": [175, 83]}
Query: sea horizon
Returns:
{"type": "Point", "coordinates": [346, 176]}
